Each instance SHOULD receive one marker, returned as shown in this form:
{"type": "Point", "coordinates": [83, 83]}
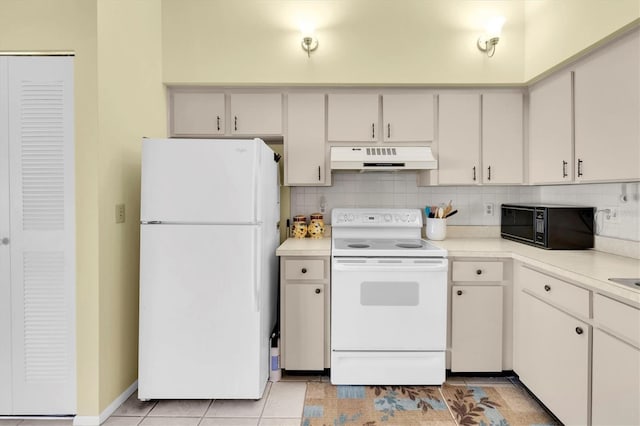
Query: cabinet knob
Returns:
{"type": "Point", "coordinates": [579, 330]}
{"type": "Point", "coordinates": [304, 270]}
{"type": "Point", "coordinates": [4, 241]}
{"type": "Point", "coordinates": [459, 292]}
{"type": "Point", "coordinates": [547, 287]}
{"type": "Point", "coordinates": [478, 271]}
{"type": "Point", "coordinates": [318, 291]}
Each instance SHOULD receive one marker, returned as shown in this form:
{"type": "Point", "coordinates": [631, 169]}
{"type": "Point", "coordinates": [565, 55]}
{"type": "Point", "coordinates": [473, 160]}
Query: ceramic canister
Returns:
{"type": "Point", "coordinates": [299, 226]}
{"type": "Point", "coordinates": [316, 226]}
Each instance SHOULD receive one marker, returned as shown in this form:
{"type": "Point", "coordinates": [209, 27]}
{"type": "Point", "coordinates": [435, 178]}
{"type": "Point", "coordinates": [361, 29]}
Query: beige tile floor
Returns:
{"type": "Point", "coordinates": [281, 405]}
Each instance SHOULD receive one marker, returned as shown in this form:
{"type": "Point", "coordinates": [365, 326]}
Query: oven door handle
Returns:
{"type": "Point", "coordinates": [426, 266]}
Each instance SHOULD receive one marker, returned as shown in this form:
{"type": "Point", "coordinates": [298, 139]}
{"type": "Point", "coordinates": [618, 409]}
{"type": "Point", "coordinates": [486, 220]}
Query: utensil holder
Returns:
{"type": "Point", "coordinates": [436, 229]}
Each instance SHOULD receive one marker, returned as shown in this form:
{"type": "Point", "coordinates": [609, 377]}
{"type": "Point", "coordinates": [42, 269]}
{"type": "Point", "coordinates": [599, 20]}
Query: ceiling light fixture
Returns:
{"type": "Point", "coordinates": [487, 42]}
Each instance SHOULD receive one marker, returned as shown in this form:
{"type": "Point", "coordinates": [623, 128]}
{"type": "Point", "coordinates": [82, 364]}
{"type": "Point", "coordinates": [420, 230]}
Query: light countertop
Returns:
{"type": "Point", "coordinates": [588, 267]}
{"type": "Point", "coordinates": [305, 247]}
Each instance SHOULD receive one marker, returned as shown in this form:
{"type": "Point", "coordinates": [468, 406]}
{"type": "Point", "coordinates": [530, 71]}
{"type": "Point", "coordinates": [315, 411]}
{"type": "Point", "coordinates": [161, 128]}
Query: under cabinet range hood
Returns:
{"type": "Point", "coordinates": [382, 158]}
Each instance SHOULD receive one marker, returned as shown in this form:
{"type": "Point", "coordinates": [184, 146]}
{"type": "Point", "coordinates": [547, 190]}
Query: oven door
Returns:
{"type": "Point", "coordinates": [388, 304]}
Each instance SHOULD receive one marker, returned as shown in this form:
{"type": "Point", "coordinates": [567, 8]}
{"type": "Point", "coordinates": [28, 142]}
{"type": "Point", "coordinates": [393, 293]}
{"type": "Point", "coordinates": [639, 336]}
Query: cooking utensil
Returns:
{"type": "Point", "coordinates": [451, 214]}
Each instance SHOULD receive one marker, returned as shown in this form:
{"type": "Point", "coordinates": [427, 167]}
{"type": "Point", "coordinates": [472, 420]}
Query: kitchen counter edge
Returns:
{"type": "Point", "coordinates": [305, 247]}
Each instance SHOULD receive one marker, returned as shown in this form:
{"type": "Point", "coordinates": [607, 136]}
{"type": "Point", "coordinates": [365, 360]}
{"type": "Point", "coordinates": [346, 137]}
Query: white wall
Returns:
{"type": "Point", "coordinates": [399, 190]}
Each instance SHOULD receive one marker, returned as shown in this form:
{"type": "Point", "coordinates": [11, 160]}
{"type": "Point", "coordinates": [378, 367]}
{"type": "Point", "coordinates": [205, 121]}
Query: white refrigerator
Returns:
{"type": "Point", "coordinates": [208, 270]}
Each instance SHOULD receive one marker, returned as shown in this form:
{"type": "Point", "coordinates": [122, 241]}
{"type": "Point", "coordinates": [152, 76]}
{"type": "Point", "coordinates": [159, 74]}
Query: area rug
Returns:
{"type": "Point", "coordinates": [328, 405]}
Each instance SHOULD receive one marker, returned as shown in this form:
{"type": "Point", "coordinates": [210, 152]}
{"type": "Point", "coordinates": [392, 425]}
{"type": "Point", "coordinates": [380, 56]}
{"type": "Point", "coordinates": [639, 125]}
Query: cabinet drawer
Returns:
{"type": "Point", "coordinates": [621, 319]}
{"type": "Point", "coordinates": [304, 269]}
{"type": "Point", "coordinates": [565, 295]}
{"type": "Point", "coordinates": [476, 271]}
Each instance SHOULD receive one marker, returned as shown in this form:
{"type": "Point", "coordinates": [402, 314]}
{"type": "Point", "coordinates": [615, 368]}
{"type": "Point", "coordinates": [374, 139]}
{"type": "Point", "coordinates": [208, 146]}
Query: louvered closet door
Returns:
{"type": "Point", "coordinates": [5, 287]}
{"type": "Point", "coordinates": [41, 183]}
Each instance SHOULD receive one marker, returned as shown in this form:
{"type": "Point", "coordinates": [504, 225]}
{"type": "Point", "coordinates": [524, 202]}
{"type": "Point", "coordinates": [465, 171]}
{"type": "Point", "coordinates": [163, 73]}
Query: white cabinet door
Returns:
{"type": "Point", "coordinates": [305, 140]}
{"type": "Point", "coordinates": [353, 118]}
{"type": "Point", "coordinates": [197, 114]}
{"type": "Point", "coordinates": [553, 358]}
{"type": "Point", "coordinates": [407, 117]}
{"type": "Point", "coordinates": [476, 328]}
{"type": "Point", "coordinates": [304, 328]}
{"type": "Point", "coordinates": [256, 114]}
{"type": "Point", "coordinates": [551, 130]}
{"type": "Point", "coordinates": [42, 236]}
{"type": "Point", "coordinates": [607, 111]}
{"type": "Point", "coordinates": [459, 139]}
{"type": "Point", "coordinates": [615, 381]}
{"type": "Point", "coordinates": [502, 138]}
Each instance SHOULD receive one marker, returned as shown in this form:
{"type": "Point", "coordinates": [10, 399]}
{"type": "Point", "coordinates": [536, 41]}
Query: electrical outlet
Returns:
{"type": "Point", "coordinates": [119, 213]}
{"type": "Point", "coordinates": [488, 209]}
{"type": "Point", "coordinates": [611, 215]}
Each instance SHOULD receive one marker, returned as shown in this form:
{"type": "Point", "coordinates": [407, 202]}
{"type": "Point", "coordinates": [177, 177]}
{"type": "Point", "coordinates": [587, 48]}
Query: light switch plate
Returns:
{"type": "Point", "coordinates": [119, 213]}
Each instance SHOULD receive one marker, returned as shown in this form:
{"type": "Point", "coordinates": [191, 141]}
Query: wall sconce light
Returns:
{"type": "Point", "coordinates": [309, 42]}
{"type": "Point", "coordinates": [487, 42]}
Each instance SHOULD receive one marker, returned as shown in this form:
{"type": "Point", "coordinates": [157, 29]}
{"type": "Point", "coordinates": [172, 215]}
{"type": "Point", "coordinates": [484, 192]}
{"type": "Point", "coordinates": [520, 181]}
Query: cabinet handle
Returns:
{"type": "Point", "coordinates": [388, 130]}
{"type": "Point", "coordinates": [489, 173]}
{"type": "Point", "coordinates": [5, 241]}
{"type": "Point", "coordinates": [478, 271]}
{"type": "Point", "coordinates": [218, 122]}
{"type": "Point", "coordinates": [547, 288]}
{"type": "Point", "coordinates": [579, 330]}
{"type": "Point", "coordinates": [318, 173]}
{"type": "Point", "coordinates": [373, 130]}
{"type": "Point", "coordinates": [318, 291]}
{"type": "Point", "coordinates": [235, 122]}
{"type": "Point", "coordinates": [474, 173]}
{"type": "Point", "coordinates": [579, 167]}
{"type": "Point", "coordinates": [459, 292]}
{"type": "Point", "coordinates": [304, 270]}
{"type": "Point", "coordinates": [564, 169]}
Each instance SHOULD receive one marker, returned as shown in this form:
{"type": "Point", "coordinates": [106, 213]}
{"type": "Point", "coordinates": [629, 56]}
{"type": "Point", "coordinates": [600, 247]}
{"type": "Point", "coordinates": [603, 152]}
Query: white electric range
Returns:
{"type": "Point", "coordinates": [388, 300]}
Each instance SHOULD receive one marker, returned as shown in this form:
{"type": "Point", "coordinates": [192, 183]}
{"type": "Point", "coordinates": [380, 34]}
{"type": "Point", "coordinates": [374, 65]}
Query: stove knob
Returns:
{"type": "Point", "coordinates": [387, 218]}
{"type": "Point", "coordinates": [350, 218]}
{"type": "Point", "coordinates": [404, 218]}
{"type": "Point", "coordinates": [413, 218]}
{"type": "Point", "coordinates": [397, 218]}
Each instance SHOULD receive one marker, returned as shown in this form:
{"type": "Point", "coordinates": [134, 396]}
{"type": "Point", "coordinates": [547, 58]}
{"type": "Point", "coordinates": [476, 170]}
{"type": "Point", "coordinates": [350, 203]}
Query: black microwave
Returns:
{"type": "Point", "coordinates": [548, 226]}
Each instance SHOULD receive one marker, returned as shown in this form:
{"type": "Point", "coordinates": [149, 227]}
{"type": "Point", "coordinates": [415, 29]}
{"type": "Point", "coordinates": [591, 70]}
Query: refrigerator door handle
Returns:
{"type": "Point", "coordinates": [257, 268]}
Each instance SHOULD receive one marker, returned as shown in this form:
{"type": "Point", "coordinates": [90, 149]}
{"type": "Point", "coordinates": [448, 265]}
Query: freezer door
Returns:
{"type": "Point", "coordinates": [200, 328]}
{"type": "Point", "coordinates": [200, 180]}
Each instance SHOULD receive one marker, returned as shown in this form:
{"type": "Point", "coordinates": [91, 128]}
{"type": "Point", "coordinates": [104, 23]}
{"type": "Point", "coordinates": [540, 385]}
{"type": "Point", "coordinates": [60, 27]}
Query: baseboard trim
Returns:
{"type": "Point", "coordinates": [111, 408]}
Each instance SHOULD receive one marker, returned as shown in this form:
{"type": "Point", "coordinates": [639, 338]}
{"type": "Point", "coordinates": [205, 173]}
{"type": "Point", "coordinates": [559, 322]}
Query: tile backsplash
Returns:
{"type": "Point", "coordinates": [399, 190]}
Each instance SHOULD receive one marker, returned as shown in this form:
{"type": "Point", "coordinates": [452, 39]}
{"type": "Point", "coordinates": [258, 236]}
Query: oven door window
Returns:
{"type": "Point", "coordinates": [388, 307]}
{"type": "Point", "coordinates": [389, 293]}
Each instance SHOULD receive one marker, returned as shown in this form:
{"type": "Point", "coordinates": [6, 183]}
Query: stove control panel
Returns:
{"type": "Point", "coordinates": [376, 217]}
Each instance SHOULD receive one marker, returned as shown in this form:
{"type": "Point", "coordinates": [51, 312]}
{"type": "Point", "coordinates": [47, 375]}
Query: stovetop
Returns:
{"type": "Point", "coordinates": [385, 247]}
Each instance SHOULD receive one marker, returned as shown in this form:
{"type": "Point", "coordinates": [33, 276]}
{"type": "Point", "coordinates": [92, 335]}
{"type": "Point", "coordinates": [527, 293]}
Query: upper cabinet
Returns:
{"type": "Point", "coordinates": [353, 118]}
{"type": "Point", "coordinates": [256, 114]}
{"type": "Point", "coordinates": [502, 138]}
{"type": "Point", "coordinates": [480, 138]}
{"type": "Point", "coordinates": [407, 117]}
{"type": "Point", "coordinates": [459, 139]}
{"type": "Point", "coordinates": [305, 158]}
{"type": "Point", "coordinates": [357, 117]}
{"type": "Point", "coordinates": [584, 123]}
{"type": "Point", "coordinates": [607, 113]}
{"type": "Point", "coordinates": [202, 113]}
{"type": "Point", "coordinates": [551, 130]}
{"type": "Point", "coordinates": [196, 113]}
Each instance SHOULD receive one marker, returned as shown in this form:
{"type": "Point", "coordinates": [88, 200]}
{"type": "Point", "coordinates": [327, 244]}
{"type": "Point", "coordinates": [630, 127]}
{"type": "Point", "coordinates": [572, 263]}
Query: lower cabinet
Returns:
{"type": "Point", "coordinates": [615, 381]}
{"type": "Point", "coordinates": [304, 313]}
{"type": "Point", "coordinates": [553, 358]}
{"type": "Point", "coordinates": [478, 321]}
{"type": "Point", "coordinates": [476, 328]}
